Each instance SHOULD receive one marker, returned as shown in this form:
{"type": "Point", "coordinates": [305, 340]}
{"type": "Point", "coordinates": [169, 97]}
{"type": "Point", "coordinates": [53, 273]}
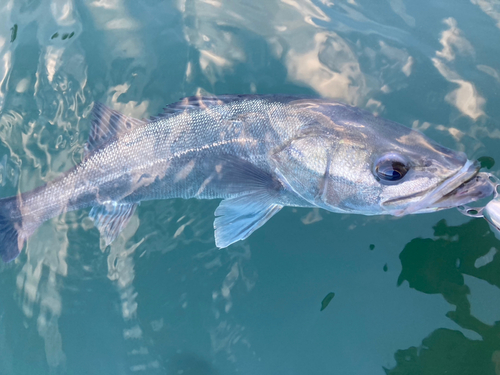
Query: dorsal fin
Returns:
{"type": "Point", "coordinates": [202, 102]}
{"type": "Point", "coordinates": [196, 102]}
{"type": "Point", "coordinates": [108, 124]}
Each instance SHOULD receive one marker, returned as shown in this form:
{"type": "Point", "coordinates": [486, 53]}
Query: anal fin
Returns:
{"type": "Point", "coordinates": [110, 219]}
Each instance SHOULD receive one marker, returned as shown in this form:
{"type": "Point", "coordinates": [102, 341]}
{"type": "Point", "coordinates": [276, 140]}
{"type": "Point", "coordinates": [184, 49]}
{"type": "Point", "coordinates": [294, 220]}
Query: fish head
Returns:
{"type": "Point", "coordinates": [352, 161]}
{"type": "Point", "coordinates": [424, 177]}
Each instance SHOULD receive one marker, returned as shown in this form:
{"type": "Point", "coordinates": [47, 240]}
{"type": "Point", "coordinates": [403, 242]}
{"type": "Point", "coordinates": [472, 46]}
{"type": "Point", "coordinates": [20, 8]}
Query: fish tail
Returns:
{"type": "Point", "coordinates": [11, 236]}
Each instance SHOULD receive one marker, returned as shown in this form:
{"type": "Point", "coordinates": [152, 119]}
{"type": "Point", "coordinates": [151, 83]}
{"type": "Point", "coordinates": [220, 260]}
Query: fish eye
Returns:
{"type": "Point", "coordinates": [391, 167]}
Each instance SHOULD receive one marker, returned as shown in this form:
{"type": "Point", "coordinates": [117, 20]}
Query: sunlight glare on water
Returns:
{"type": "Point", "coordinates": [310, 292]}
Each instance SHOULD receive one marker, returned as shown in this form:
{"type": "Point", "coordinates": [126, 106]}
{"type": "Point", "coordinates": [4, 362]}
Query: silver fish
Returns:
{"type": "Point", "coordinates": [258, 154]}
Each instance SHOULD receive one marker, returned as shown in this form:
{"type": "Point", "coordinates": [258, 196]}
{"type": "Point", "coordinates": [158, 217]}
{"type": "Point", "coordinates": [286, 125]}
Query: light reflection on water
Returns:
{"type": "Point", "coordinates": [162, 297]}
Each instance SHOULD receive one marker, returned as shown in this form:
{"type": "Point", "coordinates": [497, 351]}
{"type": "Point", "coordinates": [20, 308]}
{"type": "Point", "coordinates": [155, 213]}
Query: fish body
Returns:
{"type": "Point", "coordinates": [258, 154]}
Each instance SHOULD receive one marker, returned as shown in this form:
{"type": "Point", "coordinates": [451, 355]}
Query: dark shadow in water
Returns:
{"type": "Point", "coordinates": [190, 364]}
{"type": "Point", "coordinates": [437, 266]}
{"type": "Point", "coordinates": [446, 351]}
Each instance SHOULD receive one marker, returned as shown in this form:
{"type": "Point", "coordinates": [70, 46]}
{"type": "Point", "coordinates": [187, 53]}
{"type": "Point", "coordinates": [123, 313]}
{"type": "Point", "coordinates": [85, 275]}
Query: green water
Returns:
{"type": "Point", "coordinates": [310, 292]}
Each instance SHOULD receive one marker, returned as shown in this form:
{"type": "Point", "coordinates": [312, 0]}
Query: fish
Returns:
{"type": "Point", "coordinates": [258, 154]}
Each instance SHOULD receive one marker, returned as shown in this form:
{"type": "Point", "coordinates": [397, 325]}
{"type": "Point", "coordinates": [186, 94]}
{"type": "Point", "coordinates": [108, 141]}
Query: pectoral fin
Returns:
{"type": "Point", "coordinates": [237, 218]}
{"type": "Point", "coordinates": [111, 218]}
{"type": "Point", "coordinates": [256, 193]}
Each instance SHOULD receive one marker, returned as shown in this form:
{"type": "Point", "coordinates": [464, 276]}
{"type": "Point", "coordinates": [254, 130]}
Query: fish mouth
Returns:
{"type": "Point", "coordinates": [465, 186]}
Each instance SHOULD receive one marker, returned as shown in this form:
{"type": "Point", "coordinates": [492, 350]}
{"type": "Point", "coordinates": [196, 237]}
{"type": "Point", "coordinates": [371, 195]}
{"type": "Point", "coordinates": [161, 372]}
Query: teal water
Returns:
{"type": "Point", "coordinates": [413, 295]}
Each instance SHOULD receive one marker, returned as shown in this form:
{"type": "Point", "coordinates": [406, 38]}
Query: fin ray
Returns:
{"type": "Point", "coordinates": [237, 218]}
{"type": "Point", "coordinates": [256, 193]}
{"type": "Point", "coordinates": [239, 175]}
{"type": "Point", "coordinates": [202, 102]}
{"type": "Point", "coordinates": [108, 124]}
{"type": "Point", "coordinates": [11, 240]}
{"type": "Point", "coordinates": [111, 218]}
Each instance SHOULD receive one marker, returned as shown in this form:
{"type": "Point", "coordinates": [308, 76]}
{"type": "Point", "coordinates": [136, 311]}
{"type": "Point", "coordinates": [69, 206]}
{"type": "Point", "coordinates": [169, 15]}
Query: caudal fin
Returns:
{"type": "Point", "coordinates": [11, 240]}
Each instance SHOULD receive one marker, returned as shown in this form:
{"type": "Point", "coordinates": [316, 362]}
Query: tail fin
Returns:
{"type": "Point", "coordinates": [11, 240]}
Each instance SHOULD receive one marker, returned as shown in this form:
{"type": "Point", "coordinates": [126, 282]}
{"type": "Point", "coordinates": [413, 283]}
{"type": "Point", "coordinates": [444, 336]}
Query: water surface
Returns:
{"type": "Point", "coordinates": [414, 295]}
